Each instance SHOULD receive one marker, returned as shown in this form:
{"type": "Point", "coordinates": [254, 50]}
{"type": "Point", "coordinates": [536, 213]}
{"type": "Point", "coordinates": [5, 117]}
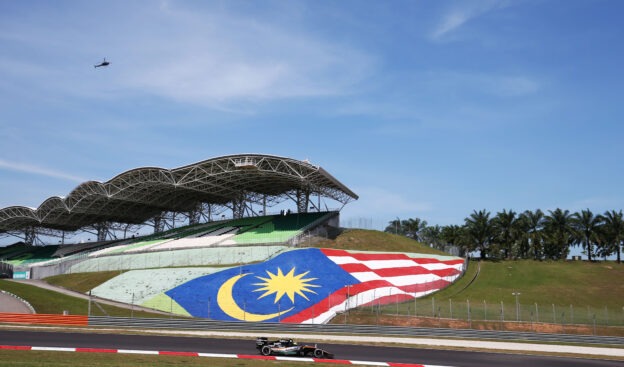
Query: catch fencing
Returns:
{"type": "Point", "coordinates": [500, 312]}
{"type": "Point", "coordinates": [263, 327]}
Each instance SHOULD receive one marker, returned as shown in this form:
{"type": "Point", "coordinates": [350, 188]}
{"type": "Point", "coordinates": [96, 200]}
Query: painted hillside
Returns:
{"type": "Point", "coordinates": [309, 285]}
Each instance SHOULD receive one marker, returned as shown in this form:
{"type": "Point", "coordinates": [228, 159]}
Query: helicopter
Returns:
{"type": "Point", "coordinates": [103, 63]}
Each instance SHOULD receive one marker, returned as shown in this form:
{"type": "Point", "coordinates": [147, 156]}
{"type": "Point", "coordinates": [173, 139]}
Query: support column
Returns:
{"type": "Point", "coordinates": [303, 200]}
{"type": "Point", "coordinates": [238, 207]}
{"type": "Point", "coordinates": [29, 236]}
{"type": "Point", "coordinates": [195, 214]}
{"type": "Point", "coordinates": [102, 231]}
{"type": "Point", "coordinates": [159, 224]}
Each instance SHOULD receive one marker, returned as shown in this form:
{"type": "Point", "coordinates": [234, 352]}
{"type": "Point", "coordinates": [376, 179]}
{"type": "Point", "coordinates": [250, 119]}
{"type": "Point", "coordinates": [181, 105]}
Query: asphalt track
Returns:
{"type": "Point", "coordinates": [236, 346]}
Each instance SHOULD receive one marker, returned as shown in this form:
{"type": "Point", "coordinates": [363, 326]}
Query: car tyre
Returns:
{"type": "Point", "coordinates": [266, 350]}
{"type": "Point", "coordinates": [318, 353]}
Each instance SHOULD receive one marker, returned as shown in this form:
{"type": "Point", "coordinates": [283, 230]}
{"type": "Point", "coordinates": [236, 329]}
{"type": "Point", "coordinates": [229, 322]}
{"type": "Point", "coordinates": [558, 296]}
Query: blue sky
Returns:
{"type": "Point", "coordinates": [427, 109]}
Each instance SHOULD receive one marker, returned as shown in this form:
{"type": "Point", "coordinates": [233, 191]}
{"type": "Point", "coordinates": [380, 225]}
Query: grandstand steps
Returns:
{"type": "Point", "coordinates": [191, 245]}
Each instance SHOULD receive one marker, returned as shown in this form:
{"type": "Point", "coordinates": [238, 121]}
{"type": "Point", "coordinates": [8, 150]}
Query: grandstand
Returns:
{"type": "Point", "coordinates": [192, 269]}
{"type": "Point", "coordinates": [247, 185]}
{"type": "Point", "coordinates": [244, 184]}
{"type": "Point", "coordinates": [220, 243]}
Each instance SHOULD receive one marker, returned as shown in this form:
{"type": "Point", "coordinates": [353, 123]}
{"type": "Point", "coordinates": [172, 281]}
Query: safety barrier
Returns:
{"type": "Point", "coordinates": [47, 319]}
{"type": "Point", "coordinates": [262, 327]}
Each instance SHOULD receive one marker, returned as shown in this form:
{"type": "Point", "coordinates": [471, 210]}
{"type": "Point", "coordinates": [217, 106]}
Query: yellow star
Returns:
{"type": "Point", "coordinates": [289, 284]}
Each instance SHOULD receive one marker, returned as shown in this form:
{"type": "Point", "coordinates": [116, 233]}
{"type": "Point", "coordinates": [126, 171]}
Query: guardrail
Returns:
{"type": "Point", "coordinates": [211, 325]}
{"type": "Point", "coordinates": [19, 318]}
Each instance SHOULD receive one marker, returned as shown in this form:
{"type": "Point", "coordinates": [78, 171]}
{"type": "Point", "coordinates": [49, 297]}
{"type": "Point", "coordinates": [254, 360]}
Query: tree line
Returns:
{"type": "Point", "coordinates": [527, 235]}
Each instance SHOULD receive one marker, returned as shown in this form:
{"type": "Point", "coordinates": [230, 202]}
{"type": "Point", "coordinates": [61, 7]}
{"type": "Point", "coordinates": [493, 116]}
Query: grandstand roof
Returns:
{"type": "Point", "coordinates": [139, 194]}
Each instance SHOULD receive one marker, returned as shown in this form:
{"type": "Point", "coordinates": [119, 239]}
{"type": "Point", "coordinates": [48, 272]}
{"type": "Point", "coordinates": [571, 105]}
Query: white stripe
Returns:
{"type": "Point", "coordinates": [384, 264]}
{"type": "Point", "coordinates": [132, 351]}
{"type": "Point", "coordinates": [54, 349]}
{"type": "Point", "coordinates": [435, 266]}
{"type": "Point", "coordinates": [217, 355]}
{"type": "Point", "coordinates": [398, 280]}
{"type": "Point", "coordinates": [370, 363]}
{"type": "Point", "coordinates": [298, 359]}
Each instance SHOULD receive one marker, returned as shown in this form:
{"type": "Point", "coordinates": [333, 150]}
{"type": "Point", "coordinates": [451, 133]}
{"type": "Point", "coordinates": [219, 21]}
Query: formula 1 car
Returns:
{"type": "Point", "coordinates": [287, 347]}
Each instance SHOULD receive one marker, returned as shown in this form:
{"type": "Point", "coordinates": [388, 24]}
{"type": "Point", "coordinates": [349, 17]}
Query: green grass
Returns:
{"type": "Point", "coordinates": [581, 292]}
{"type": "Point", "coordinates": [562, 283]}
{"type": "Point", "coordinates": [82, 282]}
{"type": "Point", "coordinates": [369, 240]}
{"type": "Point", "coordinates": [13, 358]}
{"type": "Point", "coordinates": [49, 302]}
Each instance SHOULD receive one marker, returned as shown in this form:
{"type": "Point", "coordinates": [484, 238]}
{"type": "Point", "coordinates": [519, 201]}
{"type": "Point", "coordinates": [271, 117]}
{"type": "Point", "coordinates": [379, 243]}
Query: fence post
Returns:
{"type": "Point", "coordinates": [536, 313]}
{"type": "Point", "coordinates": [554, 314]}
{"type": "Point", "coordinates": [373, 303]}
{"type": "Point", "coordinates": [451, 308]}
{"type": "Point", "coordinates": [484, 310]}
{"type": "Point", "coordinates": [396, 300]}
{"type": "Point", "coordinates": [415, 309]}
{"type": "Point", "coordinates": [469, 318]}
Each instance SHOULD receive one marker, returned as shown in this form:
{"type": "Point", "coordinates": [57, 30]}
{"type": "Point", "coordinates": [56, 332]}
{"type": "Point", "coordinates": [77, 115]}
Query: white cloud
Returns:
{"type": "Point", "coordinates": [208, 56]}
{"type": "Point", "coordinates": [27, 168]}
{"type": "Point", "coordinates": [462, 13]}
{"type": "Point", "coordinates": [234, 60]}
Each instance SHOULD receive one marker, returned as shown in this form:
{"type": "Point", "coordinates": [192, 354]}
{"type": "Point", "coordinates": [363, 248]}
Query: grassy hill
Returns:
{"type": "Point", "coordinates": [545, 282]}
{"type": "Point", "coordinates": [370, 240]}
{"type": "Point", "coordinates": [49, 302]}
{"type": "Point", "coordinates": [549, 292]}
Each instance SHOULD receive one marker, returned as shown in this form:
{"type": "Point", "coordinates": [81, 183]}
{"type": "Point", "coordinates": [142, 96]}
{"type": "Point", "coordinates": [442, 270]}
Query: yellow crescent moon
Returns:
{"type": "Point", "coordinates": [228, 304]}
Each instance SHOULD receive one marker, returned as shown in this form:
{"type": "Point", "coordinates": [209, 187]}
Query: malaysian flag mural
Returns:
{"type": "Point", "coordinates": [313, 285]}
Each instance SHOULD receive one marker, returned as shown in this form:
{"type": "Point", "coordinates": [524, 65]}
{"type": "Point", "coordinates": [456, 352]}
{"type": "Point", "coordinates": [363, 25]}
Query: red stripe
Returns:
{"type": "Point", "coordinates": [95, 350]}
{"type": "Point", "coordinates": [446, 272]}
{"type": "Point", "coordinates": [412, 288]}
{"type": "Point", "coordinates": [355, 268]}
{"type": "Point", "coordinates": [386, 300]}
{"type": "Point", "coordinates": [399, 271]}
{"type": "Point", "coordinates": [396, 272]}
{"type": "Point", "coordinates": [185, 354]}
{"type": "Point", "coordinates": [389, 256]}
{"type": "Point", "coordinates": [15, 347]}
{"type": "Point", "coordinates": [341, 295]}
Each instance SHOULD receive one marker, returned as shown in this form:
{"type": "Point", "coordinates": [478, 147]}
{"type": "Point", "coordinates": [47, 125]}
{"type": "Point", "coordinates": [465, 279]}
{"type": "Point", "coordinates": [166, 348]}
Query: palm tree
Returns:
{"type": "Point", "coordinates": [558, 234]}
{"type": "Point", "coordinates": [395, 227]}
{"type": "Point", "coordinates": [479, 230]}
{"type": "Point", "coordinates": [587, 226]}
{"type": "Point", "coordinates": [534, 225]}
{"type": "Point", "coordinates": [454, 235]}
{"type": "Point", "coordinates": [413, 228]}
{"type": "Point", "coordinates": [430, 235]}
{"type": "Point", "coordinates": [614, 231]}
{"type": "Point", "coordinates": [506, 230]}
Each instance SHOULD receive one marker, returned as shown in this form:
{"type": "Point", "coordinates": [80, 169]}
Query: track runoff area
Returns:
{"type": "Point", "coordinates": [212, 355]}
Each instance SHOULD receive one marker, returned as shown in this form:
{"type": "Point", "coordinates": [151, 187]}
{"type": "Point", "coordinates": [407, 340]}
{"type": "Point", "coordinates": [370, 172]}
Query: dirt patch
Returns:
{"type": "Point", "coordinates": [389, 320]}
